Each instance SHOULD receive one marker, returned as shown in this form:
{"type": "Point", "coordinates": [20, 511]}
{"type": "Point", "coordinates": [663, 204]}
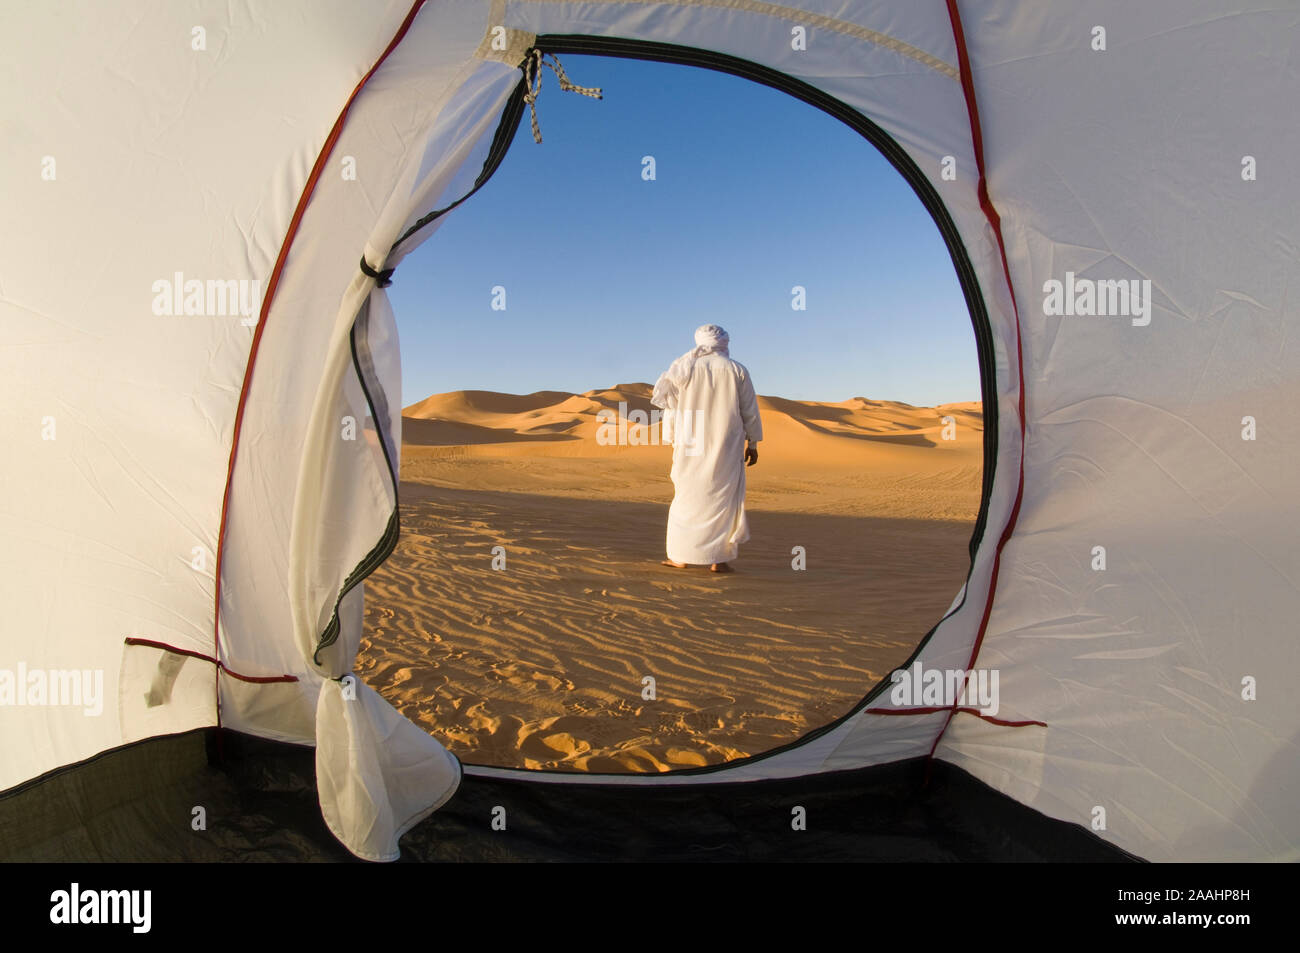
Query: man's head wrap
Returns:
{"type": "Point", "coordinates": [709, 339]}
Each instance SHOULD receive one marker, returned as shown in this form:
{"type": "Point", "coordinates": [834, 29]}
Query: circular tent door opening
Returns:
{"type": "Point", "coordinates": [524, 618]}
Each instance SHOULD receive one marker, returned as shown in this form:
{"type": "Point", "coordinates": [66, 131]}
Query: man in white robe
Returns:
{"type": "Point", "coordinates": [711, 419]}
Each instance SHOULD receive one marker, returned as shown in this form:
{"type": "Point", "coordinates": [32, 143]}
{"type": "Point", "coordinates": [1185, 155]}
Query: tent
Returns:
{"type": "Point", "coordinates": [204, 203]}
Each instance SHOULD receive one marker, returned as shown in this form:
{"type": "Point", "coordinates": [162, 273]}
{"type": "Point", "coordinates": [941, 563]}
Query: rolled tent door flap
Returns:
{"type": "Point", "coordinates": [378, 774]}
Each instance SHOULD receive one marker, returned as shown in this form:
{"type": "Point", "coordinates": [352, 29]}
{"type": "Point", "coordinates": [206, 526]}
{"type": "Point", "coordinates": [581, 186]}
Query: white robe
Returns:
{"type": "Point", "coordinates": [711, 411]}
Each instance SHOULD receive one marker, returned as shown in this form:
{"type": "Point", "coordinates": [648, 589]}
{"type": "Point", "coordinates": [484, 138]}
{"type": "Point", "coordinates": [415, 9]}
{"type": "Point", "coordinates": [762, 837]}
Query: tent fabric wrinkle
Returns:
{"type": "Point", "coordinates": [990, 212]}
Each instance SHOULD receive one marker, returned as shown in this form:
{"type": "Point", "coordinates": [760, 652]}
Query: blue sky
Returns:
{"type": "Point", "coordinates": [608, 275]}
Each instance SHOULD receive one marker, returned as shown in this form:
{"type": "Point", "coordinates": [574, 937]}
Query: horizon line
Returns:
{"type": "Point", "coordinates": [616, 387]}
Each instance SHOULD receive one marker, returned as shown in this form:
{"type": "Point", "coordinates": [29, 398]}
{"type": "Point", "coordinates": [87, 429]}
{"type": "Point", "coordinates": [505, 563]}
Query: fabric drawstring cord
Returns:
{"type": "Point", "coordinates": [532, 67]}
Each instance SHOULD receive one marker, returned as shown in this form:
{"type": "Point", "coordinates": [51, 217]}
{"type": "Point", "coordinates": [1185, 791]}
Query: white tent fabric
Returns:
{"type": "Point", "coordinates": [155, 145]}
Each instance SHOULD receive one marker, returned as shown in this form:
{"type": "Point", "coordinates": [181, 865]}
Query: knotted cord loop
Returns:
{"type": "Point", "coordinates": [532, 67]}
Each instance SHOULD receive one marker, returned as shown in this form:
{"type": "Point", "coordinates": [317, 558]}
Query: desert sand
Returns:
{"type": "Point", "coordinates": [543, 663]}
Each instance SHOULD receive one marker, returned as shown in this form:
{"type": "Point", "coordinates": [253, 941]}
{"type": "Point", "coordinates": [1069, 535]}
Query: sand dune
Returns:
{"type": "Point", "coordinates": [478, 418]}
{"type": "Point", "coordinates": [542, 664]}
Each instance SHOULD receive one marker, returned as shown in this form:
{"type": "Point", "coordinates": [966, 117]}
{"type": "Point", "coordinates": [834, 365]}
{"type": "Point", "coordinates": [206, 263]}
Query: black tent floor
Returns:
{"type": "Point", "coordinates": [258, 803]}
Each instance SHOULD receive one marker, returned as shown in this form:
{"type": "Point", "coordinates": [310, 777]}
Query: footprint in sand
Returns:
{"type": "Point", "coordinates": [499, 734]}
{"type": "Point", "coordinates": [553, 746]}
{"type": "Point", "coordinates": [763, 723]}
{"type": "Point", "coordinates": [621, 762]}
{"type": "Point", "coordinates": [502, 673]}
{"type": "Point", "coordinates": [552, 682]}
{"type": "Point", "coordinates": [684, 757]}
{"type": "Point", "coordinates": [640, 759]}
{"type": "Point", "coordinates": [570, 723]}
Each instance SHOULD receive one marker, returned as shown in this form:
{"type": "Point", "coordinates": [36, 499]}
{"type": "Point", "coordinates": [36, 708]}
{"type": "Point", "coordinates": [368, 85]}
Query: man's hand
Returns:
{"type": "Point", "coordinates": [751, 455]}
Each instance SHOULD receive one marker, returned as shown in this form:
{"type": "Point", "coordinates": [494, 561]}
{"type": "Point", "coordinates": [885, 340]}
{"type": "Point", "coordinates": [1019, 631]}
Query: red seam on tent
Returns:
{"type": "Point", "coordinates": [271, 287]}
{"type": "Point", "coordinates": [991, 213]}
{"type": "Point", "coordinates": [970, 711]}
{"type": "Point", "coordinates": [259, 679]}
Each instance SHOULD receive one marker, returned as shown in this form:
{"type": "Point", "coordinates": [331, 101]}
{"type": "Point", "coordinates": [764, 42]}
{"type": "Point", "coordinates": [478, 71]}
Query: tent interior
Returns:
{"type": "Point", "coordinates": [204, 415]}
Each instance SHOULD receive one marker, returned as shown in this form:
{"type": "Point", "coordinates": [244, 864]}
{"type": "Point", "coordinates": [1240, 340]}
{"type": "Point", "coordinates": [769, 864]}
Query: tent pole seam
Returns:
{"type": "Point", "coordinates": [271, 287]}
{"type": "Point", "coordinates": [818, 20]}
{"type": "Point", "coordinates": [995, 221]}
{"type": "Point", "coordinates": [964, 709]}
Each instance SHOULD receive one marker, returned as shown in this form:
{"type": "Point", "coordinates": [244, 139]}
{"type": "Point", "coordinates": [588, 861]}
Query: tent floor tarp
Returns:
{"type": "Point", "coordinates": [259, 803]}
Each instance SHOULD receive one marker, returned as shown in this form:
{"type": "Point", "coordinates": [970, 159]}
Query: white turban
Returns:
{"type": "Point", "coordinates": [709, 339]}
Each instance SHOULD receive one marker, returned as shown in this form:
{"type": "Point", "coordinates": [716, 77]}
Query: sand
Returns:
{"type": "Point", "coordinates": [544, 663]}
